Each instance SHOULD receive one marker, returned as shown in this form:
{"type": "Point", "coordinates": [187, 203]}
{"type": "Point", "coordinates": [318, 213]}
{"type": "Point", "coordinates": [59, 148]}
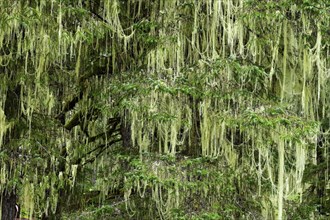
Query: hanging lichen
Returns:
{"type": "Point", "coordinates": [211, 94]}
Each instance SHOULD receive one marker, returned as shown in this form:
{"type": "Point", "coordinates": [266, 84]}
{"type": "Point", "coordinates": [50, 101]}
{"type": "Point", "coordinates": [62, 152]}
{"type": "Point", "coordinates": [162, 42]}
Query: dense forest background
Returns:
{"type": "Point", "coordinates": [165, 109]}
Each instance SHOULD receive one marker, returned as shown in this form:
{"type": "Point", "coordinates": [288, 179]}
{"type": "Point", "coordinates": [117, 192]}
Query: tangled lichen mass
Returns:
{"type": "Point", "coordinates": [169, 109]}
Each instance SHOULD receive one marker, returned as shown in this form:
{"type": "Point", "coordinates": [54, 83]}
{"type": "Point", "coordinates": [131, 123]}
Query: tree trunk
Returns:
{"type": "Point", "coordinates": [321, 160]}
{"type": "Point", "coordinates": [12, 112]}
{"type": "Point", "coordinates": [8, 206]}
{"type": "Point", "coordinates": [125, 131]}
{"type": "Point", "coordinates": [194, 148]}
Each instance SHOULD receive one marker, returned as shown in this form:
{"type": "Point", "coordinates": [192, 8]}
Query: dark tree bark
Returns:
{"type": "Point", "coordinates": [12, 112]}
{"type": "Point", "coordinates": [194, 148]}
{"type": "Point", "coordinates": [8, 206]}
{"type": "Point", "coordinates": [322, 144]}
{"type": "Point", "coordinates": [125, 131]}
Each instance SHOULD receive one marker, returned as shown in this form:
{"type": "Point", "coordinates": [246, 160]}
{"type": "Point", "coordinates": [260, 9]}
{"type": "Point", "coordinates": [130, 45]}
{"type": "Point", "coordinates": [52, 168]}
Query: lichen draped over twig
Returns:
{"type": "Point", "coordinates": [242, 83]}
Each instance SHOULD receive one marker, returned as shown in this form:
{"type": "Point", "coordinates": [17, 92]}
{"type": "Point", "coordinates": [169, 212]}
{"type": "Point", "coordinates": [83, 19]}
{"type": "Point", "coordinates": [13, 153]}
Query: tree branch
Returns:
{"type": "Point", "coordinates": [109, 132]}
{"type": "Point", "coordinates": [101, 147]}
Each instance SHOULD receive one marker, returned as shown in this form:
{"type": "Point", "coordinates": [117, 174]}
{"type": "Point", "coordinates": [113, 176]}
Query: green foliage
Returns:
{"type": "Point", "coordinates": [165, 109]}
